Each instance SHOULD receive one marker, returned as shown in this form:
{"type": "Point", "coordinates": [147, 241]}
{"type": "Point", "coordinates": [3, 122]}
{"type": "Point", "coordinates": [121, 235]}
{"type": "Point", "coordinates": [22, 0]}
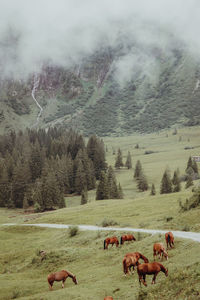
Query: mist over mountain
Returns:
{"type": "Point", "coordinates": [105, 67]}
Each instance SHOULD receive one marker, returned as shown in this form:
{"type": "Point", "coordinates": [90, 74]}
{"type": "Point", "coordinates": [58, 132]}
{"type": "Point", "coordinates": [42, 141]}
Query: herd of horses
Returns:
{"type": "Point", "coordinates": [130, 260]}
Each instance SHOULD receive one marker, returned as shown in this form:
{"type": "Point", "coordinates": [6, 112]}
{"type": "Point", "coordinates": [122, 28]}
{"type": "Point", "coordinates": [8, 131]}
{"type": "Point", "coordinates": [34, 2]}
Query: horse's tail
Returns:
{"type": "Point", "coordinates": [134, 238]}
{"type": "Point", "coordinates": [121, 241]}
{"type": "Point", "coordinates": [144, 258]}
{"type": "Point", "coordinates": [104, 244]}
{"type": "Point", "coordinates": [124, 266]}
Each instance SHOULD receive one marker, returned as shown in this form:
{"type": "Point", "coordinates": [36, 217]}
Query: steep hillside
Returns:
{"type": "Point", "coordinates": [109, 93]}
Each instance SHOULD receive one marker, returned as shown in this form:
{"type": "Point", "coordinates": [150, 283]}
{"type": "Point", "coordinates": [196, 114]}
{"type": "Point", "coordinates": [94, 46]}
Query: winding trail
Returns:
{"type": "Point", "coordinates": [35, 86]}
{"type": "Point", "coordinates": [195, 236]}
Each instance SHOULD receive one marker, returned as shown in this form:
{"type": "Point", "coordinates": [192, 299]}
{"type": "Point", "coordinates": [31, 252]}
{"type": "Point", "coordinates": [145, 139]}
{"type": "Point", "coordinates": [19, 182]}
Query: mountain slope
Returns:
{"type": "Point", "coordinates": [110, 92]}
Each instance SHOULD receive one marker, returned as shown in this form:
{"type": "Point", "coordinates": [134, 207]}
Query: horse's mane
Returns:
{"type": "Point", "coordinates": [69, 274]}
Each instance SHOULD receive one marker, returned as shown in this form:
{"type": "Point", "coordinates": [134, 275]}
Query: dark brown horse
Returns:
{"type": "Point", "coordinates": [108, 298]}
{"type": "Point", "coordinates": [159, 249]}
{"type": "Point", "coordinates": [111, 240]}
{"type": "Point", "coordinates": [60, 276]}
{"type": "Point", "coordinates": [169, 238]}
{"type": "Point", "coordinates": [132, 260]}
{"type": "Point", "coordinates": [127, 237]}
{"type": "Point", "coordinates": [150, 269]}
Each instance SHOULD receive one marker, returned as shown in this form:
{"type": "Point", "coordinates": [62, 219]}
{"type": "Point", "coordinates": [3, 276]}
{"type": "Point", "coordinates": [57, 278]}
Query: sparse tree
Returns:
{"type": "Point", "coordinates": [128, 163]}
{"type": "Point", "coordinates": [142, 183]}
{"type": "Point", "coordinates": [189, 182]}
{"type": "Point", "coordinates": [176, 182]}
{"type": "Point", "coordinates": [166, 184]}
{"type": "Point", "coordinates": [119, 162]}
{"type": "Point", "coordinates": [153, 190]}
{"type": "Point", "coordinates": [138, 169]}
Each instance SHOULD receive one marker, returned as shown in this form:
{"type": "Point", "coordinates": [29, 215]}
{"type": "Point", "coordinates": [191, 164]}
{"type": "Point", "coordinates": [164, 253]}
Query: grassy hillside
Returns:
{"type": "Point", "coordinates": [99, 272]}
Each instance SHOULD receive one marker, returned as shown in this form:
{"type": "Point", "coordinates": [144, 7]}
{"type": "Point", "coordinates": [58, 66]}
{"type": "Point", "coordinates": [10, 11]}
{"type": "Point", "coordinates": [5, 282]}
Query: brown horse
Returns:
{"type": "Point", "coordinates": [111, 240]}
{"type": "Point", "coordinates": [132, 260]}
{"type": "Point", "coordinates": [60, 276]}
{"type": "Point", "coordinates": [127, 237]}
{"type": "Point", "coordinates": [159, 249]}
{"type": "Point", "coordinates": [150, 269]}
{"type": "Point", "coordinates": [108, 298]}
{"type": "Point", "coordinates": [169, 239]}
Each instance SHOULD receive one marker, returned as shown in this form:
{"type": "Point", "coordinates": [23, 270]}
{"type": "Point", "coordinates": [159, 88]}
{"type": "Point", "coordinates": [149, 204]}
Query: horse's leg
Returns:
{"type": "Point", "coordinates": [50, 285]}
{"type": "Point", "coordinates": [144, 279]}
{"type": "Point", "coordinates": [140, 278]}
{"type": "Point", "coordinates": [154, 278]}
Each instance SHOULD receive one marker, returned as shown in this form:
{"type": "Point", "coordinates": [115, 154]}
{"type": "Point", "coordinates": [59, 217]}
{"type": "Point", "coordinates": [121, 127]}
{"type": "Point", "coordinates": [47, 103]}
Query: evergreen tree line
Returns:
{"type": "Point", "coordinates": [39, 167]}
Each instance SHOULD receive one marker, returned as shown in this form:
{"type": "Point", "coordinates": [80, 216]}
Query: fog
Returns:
{"type": "Point", "coordinates": [63, 32]}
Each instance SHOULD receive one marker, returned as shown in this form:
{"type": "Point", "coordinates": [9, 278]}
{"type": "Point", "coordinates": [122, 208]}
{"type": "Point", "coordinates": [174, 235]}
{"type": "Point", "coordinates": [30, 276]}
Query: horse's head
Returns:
{"type": "Point", "coordinates": [146, 260]}
{"type": "Point", "coordinates": [166, 272]}
{"type": "Point", "coordinates": [74, 280]}
{"type": "Point", "coordinates": [165, 255]}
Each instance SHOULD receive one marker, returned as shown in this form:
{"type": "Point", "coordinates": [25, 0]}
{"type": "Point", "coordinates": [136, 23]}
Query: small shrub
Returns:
{"type": "Point", "coordinates": [73, 230]}
{"type": "Point", "coordinates": [108, 222]}
{"type": "Point", "coordinates": [186, 228]}
{"type": "Point", "coordinates": [149, 152]}
{"type": "Point", "coordinates": [168, 219]}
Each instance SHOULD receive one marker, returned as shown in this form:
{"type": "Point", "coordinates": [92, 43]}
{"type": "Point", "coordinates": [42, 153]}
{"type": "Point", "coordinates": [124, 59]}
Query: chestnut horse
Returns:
{"type": "Point", "coordinates": [111, 240]}
{"type": "Point", "coordinates": [159, 249]}
{"type": "Point", "coordinates": [169, 239]}
{"type": "Point", "coordinates": [150, 269]}
{"type": "Point", "coordinates": [132, 260]}
{"type": "Point", "coordinates": [60, 276]}
{"type": "Point", "coordinates": [127, 237]}
{"type": "Point", "coordinates": [108, 298]}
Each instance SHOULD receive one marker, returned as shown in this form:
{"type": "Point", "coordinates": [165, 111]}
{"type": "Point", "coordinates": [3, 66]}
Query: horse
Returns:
{"type": "Point", "coordinates": [108, 298]}
{"type": "Point", "coordinates": [127, 237]}
{"type": "Point", "coordinates": [150, 269]}
{"type": "Point", "coordinates": [132, 260]}
{"type": "Point", "coordinates": [169, 238]}
{"type": "Point", "coordinates": [158, 248]}
{"type": "Point", "coordinates": [111, 240]}
{"type": "Point", "coordinates": [60, 276]}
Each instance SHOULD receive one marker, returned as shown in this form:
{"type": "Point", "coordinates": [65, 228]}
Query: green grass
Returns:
{"type": "Point", "coordinates": [99, 272]}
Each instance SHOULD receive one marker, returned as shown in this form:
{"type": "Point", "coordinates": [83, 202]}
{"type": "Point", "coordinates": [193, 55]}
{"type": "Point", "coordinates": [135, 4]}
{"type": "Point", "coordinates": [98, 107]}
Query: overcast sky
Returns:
{"type": "Point", "coordinates": [64, 30]}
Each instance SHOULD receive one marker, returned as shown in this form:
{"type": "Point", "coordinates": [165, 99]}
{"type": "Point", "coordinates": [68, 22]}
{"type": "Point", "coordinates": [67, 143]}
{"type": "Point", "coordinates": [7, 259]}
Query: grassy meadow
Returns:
{"type": "Point", "coordinates": [99, 272]}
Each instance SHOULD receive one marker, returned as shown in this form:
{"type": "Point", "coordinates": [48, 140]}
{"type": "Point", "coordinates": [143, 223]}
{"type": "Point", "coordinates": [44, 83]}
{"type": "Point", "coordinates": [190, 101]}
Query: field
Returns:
{"type": "Point", "coordinates": [99, 272]}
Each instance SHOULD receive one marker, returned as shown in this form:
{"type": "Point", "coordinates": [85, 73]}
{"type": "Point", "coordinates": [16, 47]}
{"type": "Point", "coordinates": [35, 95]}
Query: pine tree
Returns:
{"type": "Point", "coordinates": [189, 164]}
{"type": "Point", "coordinates": [112, 184]}
{"type": "Point", "coordinates": [120, 192]}
{"type": "Point", "coordinates": [80, 178]}
{"type": "Point", "coordinates": [119, 162]}
{"type": "Point", "coordinates": [153, 190]}
{"type": "Point", "coordinates": [166, 184]}
{"type": "Point", "coordinates": [189, 181]}
{"type": "Point", "coordinates": [102, 188]}
{"type": "Point", "coordinates": [138, 169]}
{"type": "Point", "coordinates": [128, 163]}
{"type": "Point", "coordinates": [176, 182]}
{"type": "Point", "coordinates": [84, 196]}
{"type": "Point", "coordinates": [142, 183]}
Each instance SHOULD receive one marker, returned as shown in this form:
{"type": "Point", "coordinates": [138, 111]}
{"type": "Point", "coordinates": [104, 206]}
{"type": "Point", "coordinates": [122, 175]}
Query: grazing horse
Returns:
{"type": "Point", "coordinates": [132, 260]}
{"type": "Point", "coordinates": [169, 239]}
{"type": "Point", "coordinates": [150, 269]}
{"type": "Point", "coordinates": [108, 298]}
{"type": "Point", "coordinates": [159, 249]}
{"type": "Point", "coordinates": [111, 240]}
{"type": "Point", "coordinates": [127, 237]}
{"type": "Point", "coordinates": [60, 276]}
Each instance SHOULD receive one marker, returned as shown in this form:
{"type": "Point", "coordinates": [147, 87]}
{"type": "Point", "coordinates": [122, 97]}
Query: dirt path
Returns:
{"type": "Point", "coordinates": [195, 236]}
